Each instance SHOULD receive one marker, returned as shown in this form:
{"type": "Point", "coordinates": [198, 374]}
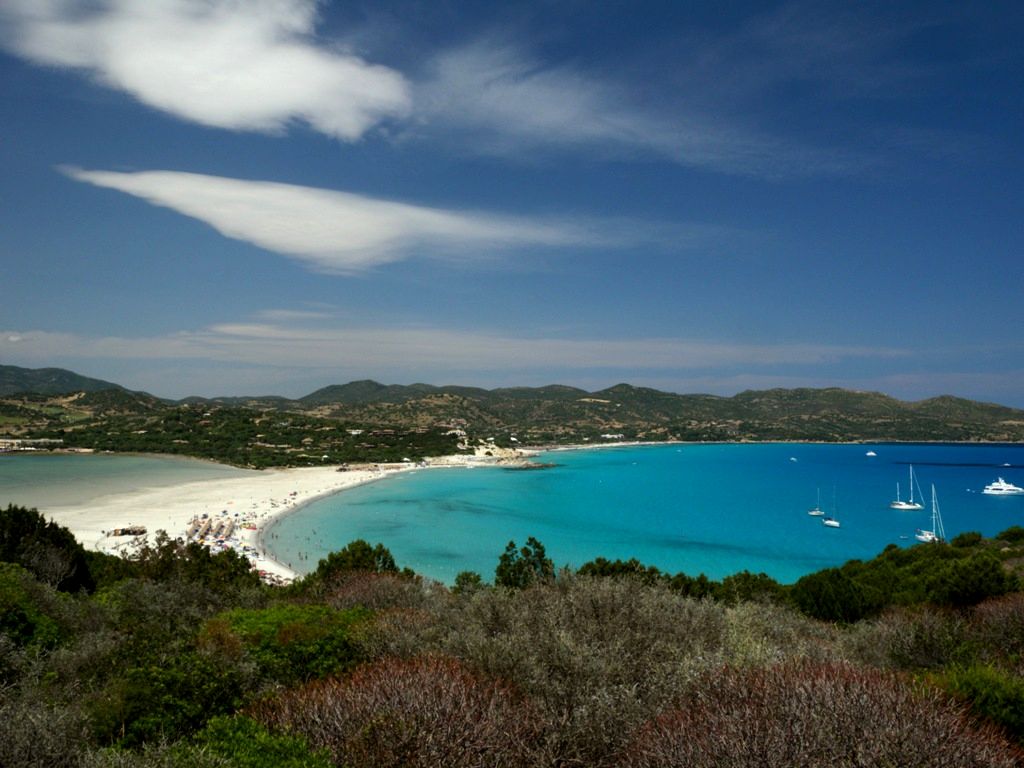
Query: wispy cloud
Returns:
{"type": "Point", "coordinates": [344, 232]}
{"type": "Point", "coordinates": [505, 99]}
{"type": "Point", "coordinates": [428, 351]}
{"type": "Point", "coordinates": [245, 66]}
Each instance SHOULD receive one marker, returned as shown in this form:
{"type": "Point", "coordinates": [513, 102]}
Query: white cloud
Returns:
{"type": "Point", "coordinates": [344, 232]}
{"type": "Point", "coordinates": [250, 65]}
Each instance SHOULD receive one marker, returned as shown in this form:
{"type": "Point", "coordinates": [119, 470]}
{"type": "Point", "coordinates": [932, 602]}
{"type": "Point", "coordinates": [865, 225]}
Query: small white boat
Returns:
{"type": "Point", "coordinates": [1002, 488]}
{"type": "Point", "coordinates": [911, 504]}
{"type": "Point", "coordinates": [870, 453]}
{"type": "Point", "coordinates": [816, 511]}
{"type": "Point", "coordinates": [831, 522]}
{"type": "Point", "coordinates": [938, 533]}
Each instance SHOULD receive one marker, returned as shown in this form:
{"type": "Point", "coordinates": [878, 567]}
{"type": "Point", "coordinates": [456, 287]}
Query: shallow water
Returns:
{"type": "Point", "coordinates": [716, 509]}
{"type": "Point", "coordinates": [51, 480]}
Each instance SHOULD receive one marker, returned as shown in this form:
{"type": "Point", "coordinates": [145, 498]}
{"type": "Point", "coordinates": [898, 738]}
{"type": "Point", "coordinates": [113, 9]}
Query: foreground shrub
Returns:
{"type": "Point", "coordinates": [795, 715]}
{"type": "Point", "coordinates": [597, 656]}
{"type": "Point", "coordinates": [424, 712]}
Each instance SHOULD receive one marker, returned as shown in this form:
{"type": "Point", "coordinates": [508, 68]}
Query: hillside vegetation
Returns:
{"type": "Point", "coordinates": [182, 657]}
{"type": "Point", "coordinates": [368, 421]}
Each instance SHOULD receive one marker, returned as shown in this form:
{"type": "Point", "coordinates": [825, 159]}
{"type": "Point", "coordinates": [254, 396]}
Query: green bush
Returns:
{"type": "Point", "coordinates": [245, 743]}
{"type": "Point", "coordinates": [145, 704]}
{"type": "Point", "coordinates": [993, 695]}
{"type": "Point", "coordinates": [966, 539]}
{"type": "Point", "coordinates": [1012, 535]}
{"type": "Point", "coordinates": [21, 616]}
{"type": "Point", "coordinates": [291, 643]}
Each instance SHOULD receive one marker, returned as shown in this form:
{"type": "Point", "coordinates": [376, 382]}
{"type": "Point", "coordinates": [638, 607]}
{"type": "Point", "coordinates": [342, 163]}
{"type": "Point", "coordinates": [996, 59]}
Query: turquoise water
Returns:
{"type": "Point", "coordinates": [715, 509]}
{"type": "Point", "coordinates": [44, 481]}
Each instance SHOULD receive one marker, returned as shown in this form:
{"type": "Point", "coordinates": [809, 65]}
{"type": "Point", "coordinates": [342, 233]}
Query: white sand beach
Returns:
{"type": "Point", "coordinates": [248, 502]}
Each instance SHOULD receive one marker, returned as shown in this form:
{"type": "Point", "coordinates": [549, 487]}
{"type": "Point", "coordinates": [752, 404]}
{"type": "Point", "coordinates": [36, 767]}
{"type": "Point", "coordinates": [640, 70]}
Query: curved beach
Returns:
{"type": "Point", "coordinates": [248, 502]}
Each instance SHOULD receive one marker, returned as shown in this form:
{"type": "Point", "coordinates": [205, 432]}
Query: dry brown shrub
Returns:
{"type": "Point", "coordinates": [924, 637]}
{"type": "Point", "coordinates": [799, 715]}
{"type": "Point", "coordinates": [429, 711]}
{"type": "Point", "coordinates": [397, 632]}
{"type": "Point", "coordinates": [379, 591]}
{"type": "Point", "coordinates": [757, 634]}
{"type": "Point", "coordinates": [36, 734]}
{"type": "Point", "coordinates": [997, 627]}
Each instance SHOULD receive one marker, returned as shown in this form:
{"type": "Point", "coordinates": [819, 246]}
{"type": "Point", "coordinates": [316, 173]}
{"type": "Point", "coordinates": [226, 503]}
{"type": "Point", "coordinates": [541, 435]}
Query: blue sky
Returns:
{"type": "Point", "coordinates": [206, 197]}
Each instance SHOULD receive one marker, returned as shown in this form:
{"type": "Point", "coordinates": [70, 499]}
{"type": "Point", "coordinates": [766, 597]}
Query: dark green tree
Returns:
{"type": "Point", "coordinates": [968, 581]}
{"type": "Point", "coordinates": [519, 568]}
{"type": "Point", "coordinates": [173, 559]}
{"type": "Point", "coordinates": [49, 551]}
{"type": "Point", "coordinates": [357, 555]}
{"type": "Point", "coordinates": [831, 595]}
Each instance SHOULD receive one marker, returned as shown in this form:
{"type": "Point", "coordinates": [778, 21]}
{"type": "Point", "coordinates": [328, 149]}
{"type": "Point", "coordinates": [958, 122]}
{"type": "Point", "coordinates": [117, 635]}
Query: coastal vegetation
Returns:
{"type": "Point", "coordinates": [181, 656]}
{"type": "Point", "coordinates": [369, 422]}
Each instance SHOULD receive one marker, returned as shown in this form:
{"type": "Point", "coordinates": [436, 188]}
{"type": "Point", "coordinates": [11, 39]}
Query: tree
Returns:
{"type": "Point", "coordinates": [357, 555]}
{"type": "Point", "coordinates": [519, 568]}
{"type": "Point", "coordinates": [467, 582]}
{"type": "Point", "coordinates": [968, 581]}
{"type": "Point", "coordinates": [49, 551]}
{"type": "Point", "coordinates": [831, 595]}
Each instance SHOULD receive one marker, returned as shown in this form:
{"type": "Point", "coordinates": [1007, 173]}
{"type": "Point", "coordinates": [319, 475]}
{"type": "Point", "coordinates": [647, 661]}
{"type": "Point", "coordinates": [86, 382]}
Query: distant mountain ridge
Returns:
{"type": "Point", "coordinates": [561, 414]}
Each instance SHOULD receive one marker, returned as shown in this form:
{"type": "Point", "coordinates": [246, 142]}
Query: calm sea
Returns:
{"type": "Point", "coordinates": [45, 480]}
{"type": "Point", "coordinates": [716, 509]}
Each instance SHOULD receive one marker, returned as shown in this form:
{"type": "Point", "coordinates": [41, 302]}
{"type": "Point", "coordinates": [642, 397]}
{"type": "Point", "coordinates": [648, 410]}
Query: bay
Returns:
{"type": "Point", "coordinates": [713, 509]}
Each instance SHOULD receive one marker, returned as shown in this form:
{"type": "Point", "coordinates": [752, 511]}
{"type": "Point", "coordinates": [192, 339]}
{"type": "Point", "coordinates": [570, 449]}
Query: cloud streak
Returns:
{"type": "Point", "coordinates": [501, 97]}
{"type": "Point", "coordinates": [426, 350]}
{"type": "Point", "coordinates": [342, 232]}
{"type": "Point", "coordinates": [250, 66]}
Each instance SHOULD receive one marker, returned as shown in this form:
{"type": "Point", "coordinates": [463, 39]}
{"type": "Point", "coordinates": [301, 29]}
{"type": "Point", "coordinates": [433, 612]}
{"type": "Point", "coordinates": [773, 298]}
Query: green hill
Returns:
{"type": "Point", "coordinates": [48, 381]}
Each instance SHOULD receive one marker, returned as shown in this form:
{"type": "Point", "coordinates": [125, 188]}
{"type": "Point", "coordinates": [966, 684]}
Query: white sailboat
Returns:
{"type": "Point", "coordinates": [938, 532]}
{"type": "Point", "coordinates": [816, 511]}
{"type": "Point", "coordinates": [911, 504]}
